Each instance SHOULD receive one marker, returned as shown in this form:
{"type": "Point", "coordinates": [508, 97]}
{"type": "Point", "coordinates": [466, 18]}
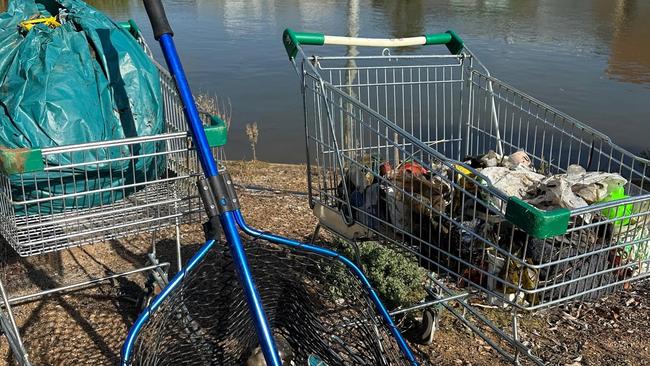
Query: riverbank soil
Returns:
{"type": "Point", "coordinates": [88, 327]}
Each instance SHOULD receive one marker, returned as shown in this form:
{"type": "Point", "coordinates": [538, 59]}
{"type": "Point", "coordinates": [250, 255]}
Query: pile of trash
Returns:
{"type": "Point", "coordinates": [516, 176]}
{"type": "Point", "coordinates": [447, 206]}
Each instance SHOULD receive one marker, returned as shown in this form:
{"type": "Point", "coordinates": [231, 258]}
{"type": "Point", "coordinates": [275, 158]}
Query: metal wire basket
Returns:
{"type": "Point", "coordinates": [61, 197]}
{"type": "Point", "coordinates": [373, 123]}
{"type": "Point", "coordinates": [56, 198]}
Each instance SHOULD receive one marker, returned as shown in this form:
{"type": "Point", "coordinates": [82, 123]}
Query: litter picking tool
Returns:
{"type": "Point", "coordinates": [311, 332]}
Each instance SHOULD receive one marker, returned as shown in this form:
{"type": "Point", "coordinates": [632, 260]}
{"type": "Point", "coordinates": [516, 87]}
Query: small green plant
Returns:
{"type": "Point", "coordinates": [394, 274]}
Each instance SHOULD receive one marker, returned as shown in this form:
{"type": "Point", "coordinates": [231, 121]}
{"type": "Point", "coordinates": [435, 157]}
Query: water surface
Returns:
{"type": "Point", "coordinates": [589, 58]}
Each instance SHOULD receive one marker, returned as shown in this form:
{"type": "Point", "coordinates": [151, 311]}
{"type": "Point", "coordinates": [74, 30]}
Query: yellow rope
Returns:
{"type": "Point", "coordinates": [51, 22]}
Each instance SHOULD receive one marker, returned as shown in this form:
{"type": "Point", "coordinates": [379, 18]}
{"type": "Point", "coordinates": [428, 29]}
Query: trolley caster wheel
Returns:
{"type": "Point", "coordinates": [424, 332]}
{"type": "Point", "coordinates": [151, 290]}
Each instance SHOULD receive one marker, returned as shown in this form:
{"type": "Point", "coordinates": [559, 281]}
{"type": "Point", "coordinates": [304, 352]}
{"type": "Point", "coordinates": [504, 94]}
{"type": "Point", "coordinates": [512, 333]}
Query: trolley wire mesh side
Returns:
{"type": "Point", "coordinates": [608, 243]}
{"type": "Point", "coordinates": [95, 191]}
{"type": "Point", "coordinates": [394, 205]}
{"type": "Point", "coordinates": [315, 307]}
{"type": "Point", "coordinates": [453, 219]}
{"type": "Point", "coordinates": [552, 139]}
{"type": "Point", "coordinates": [421, 94]}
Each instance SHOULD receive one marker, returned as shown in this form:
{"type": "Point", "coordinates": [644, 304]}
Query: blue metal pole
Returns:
{"type": "Point", "coordinates": [265, 338]}
{"type": "Point", "coordinates": [210, 169]}
{"type": "Point", "coordinates": [189, 106]}
{"type": "Point", "coordinates": [262, 328]}
{"type": "Point", "coordinates": [401, 342]}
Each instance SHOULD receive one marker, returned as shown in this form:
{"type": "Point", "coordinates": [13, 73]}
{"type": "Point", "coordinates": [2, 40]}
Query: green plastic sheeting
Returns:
{"type": "Point", "coordinates": [85, 81]}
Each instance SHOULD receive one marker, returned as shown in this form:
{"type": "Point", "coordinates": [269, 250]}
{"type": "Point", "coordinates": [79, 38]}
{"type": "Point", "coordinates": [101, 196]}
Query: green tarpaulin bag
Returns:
{"type": "Point", "coordinates": [87, 80]}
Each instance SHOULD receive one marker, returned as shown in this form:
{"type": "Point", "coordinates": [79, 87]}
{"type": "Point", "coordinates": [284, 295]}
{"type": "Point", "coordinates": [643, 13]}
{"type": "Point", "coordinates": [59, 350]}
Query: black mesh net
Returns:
{"type": "Point", "coordinates": [206, 320]}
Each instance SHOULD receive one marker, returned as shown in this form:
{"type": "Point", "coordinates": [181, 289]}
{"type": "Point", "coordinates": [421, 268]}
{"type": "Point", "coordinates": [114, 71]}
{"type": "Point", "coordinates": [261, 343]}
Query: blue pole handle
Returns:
{"type": "Point", "coordinates": [158, 18]}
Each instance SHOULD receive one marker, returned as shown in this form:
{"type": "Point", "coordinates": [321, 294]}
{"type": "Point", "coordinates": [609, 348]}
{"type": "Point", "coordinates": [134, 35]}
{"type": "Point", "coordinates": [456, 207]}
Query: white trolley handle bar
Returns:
{"type": "Point", "coordinates": [294, 40]}
{"type": "Point", "coordinates": [375, 42]}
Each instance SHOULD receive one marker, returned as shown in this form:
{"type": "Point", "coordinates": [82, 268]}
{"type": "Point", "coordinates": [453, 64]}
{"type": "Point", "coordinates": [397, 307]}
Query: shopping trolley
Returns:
{"type": "Point", "coordinates": [204, 316]}
{"type": "Point", "coordinates": [113, 195]}
{"type": "Point", "coordinates": [394, 149]}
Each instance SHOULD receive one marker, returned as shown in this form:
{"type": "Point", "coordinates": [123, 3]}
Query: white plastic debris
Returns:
{"type": "Point", "coordinates": [491, 159]}
{"type": "Point", "coordinates": [576, 188]}
{"type": "Point", "coordinates": [516, 182]}
{"type": "Point", "coordinates": [557, 192]}
{"type": "Point", "coordinates": [515, 160]}
{"type": "Point", "coordinates": [592, 186]}
{"type": "Point", "coordinates": [514, 175]}
{"type": "Point", "coordinates": [520, 158]}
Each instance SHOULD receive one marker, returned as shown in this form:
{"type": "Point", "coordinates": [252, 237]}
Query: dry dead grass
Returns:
{"type": "Point", "coordinates": [88, 327]}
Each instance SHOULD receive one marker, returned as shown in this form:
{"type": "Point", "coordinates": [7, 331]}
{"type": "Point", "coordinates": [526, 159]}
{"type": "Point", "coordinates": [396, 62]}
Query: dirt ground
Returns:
{"type": "Point", "coordinates": [87, 327]}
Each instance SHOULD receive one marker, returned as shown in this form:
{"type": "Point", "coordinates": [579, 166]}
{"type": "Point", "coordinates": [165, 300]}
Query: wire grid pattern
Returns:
{"type": "Point", "coordinates": [551, 138]}
{"type": "Point", "coordinates": [92, 192]}
{"type": "Point", "coordinates": [402, 89]}
{"type": "Point", "coordinates": [111, 196]}
{"type": "Point", "coordinates": [206, 321]}
{"type": "Point", "coordinates": [608, 252]}
{"type": "Point", "coordinates": [455, 222]}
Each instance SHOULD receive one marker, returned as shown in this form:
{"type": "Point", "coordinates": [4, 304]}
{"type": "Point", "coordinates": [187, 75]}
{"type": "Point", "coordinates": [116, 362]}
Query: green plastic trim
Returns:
{"type": "Point", "coordinates": [450, 39]}
{"type": "Point", "coordinates": [456, 44]}
{"type": "Point", "coordinates": [217, 132]}
{"type": "Point", "coordinates": [292, 40]}
{"type": "Point", "coordinates": [130, 26]}
{"type": "Point", "coordinates": [438, 38]}
{"type": "Point", "coordinates": [537, 223]}
{"type": "Point", "coordinates": [17, 161]}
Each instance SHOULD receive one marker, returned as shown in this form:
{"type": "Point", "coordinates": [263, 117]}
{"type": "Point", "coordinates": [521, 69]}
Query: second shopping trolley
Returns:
{"type": "Point", "coordinates": [482, 182]}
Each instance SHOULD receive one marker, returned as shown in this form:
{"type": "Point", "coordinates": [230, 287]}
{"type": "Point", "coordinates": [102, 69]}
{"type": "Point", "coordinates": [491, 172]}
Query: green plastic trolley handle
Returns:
{"type": "Point", "coordinates": [292, 40]}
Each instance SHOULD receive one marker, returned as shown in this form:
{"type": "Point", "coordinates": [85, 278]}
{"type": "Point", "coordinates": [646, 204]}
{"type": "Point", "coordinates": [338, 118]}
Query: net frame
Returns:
{"type": "Point", "coordinates": [205, 320]}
